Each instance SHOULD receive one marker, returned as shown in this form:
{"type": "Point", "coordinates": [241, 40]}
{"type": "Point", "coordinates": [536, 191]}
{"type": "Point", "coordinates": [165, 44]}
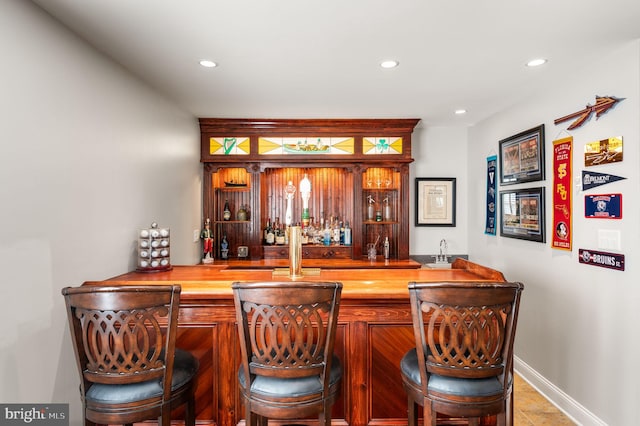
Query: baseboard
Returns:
{"type": "Point", "coordinates": [576, 412]}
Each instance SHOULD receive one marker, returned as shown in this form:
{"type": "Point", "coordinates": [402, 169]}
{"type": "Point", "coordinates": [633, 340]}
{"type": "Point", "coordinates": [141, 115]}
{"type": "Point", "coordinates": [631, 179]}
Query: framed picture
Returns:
{"type": "Point", "coordinates": [522, 214]}
{"type": "Point", "coordinates": [522, 157]}
{"type": "Point", "coordinates": [435, 201]}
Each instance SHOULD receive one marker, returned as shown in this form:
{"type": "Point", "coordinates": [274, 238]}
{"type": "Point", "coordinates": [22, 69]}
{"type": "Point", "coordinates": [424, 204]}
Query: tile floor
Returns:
{"type": "Point", "coordinates": [533, 409]}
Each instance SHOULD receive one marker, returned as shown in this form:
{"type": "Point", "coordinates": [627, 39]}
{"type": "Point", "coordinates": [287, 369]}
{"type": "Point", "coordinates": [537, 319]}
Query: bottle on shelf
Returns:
{"type": "Point", "coordinates": [335, 231]}
{"type": "Point", "coordinates": [370, 209]}
{"type": "Point", "coordinates": [311, 231]}
{"type": "Point", "coordinates": [387, 209]}
{"type": "Point", "coordinates": [242, 213]}
{"type": "Point", "coordinates": [386, 247]}
{"type": "Point", "coordinates": [226, 212]}
{"type": "Point", "coordinates": [267, 229]}
{"type": "Point", "coordinates": [347, 234]}
{"type": "Point", "coordinates": [326, 234]}
{"type": "Point", "coordinates": [270, 238]}
{"type": "Point", "coordinates": [279, 232]}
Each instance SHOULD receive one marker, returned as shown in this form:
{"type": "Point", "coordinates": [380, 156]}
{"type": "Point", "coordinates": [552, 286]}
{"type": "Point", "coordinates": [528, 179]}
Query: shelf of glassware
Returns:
{"type": "Point", "coordinates": [381, 218]}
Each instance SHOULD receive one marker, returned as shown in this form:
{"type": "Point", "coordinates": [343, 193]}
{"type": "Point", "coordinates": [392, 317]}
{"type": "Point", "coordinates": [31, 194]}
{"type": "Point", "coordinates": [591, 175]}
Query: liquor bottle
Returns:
{"type": "Point", "coordinates": [267, 229]}
{"type": "Point", "coordinates": [226, 213]}
{"type": "Point", "coordinates": [326, 234]}
{"type": "Point", "coordinates": [335, 231]}
{"type": "Point", "coordinates": [271, 236]}
{"type": "Point", "coordinates": [347, 234]}
{"type": "Point", "coordinates": [386, 247]}
{"type": "Point", "coordinates": [279, 232]}
{"type": "Point", "coordinates": [311, 231]}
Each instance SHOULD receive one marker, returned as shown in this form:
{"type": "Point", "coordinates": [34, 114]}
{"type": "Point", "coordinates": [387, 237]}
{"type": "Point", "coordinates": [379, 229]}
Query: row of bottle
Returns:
{"type": "Point", "coordinates": [332, 232]}
{"type": "Point", "coordinates": [241, 215]}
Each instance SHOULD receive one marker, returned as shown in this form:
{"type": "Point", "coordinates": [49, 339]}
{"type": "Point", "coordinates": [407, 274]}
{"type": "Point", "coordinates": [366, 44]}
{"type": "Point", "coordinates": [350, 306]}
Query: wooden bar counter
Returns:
{"type": "Point", "coordinates": [374, 330]}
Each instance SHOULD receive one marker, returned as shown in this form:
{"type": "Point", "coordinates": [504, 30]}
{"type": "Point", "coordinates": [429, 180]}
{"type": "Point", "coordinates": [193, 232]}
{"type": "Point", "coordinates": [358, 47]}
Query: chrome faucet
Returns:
{"type": "Point", "coordinates": [442, 257]}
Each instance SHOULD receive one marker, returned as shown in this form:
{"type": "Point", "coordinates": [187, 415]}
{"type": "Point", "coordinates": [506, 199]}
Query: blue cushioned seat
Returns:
{"type": "Point", "coordinates": [295, 386]}
{"type": "Point", "coordinates": [449, 385]}
{"type": "Point", "coordinates": [185, 367]}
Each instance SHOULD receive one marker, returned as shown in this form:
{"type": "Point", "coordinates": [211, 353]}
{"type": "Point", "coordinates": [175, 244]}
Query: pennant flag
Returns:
{"type": "Point", "coordinates": [562, 178]}
{"type": "Point", "coordinates": [490, 228]}
{"type": "Point", "coordinates": [594, 179]}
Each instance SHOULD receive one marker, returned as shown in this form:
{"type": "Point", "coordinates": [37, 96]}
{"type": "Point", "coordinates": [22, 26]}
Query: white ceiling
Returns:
{"type": "Point", "coordinates": [320, 59]}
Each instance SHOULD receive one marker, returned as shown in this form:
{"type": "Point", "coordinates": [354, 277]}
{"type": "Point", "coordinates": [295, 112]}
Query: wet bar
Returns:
{"type": "Point", "coordinates": [339, 191]}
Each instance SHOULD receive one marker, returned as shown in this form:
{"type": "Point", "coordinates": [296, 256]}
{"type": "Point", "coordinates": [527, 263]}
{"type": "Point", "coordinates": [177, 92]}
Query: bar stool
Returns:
{"type": "Point", "coordinates": [287, 333]}
{"type": "Point", "coordinates": [129, 367]}
{"type": "Point", "coordinates": [462, 364]}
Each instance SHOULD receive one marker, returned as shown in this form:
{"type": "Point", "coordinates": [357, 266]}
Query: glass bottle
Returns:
{"type": "Point", "coordinates": [226, 213]}
{"type": "Point", "coordinates": [266, 230]}
{"type": "Point", "coordinates": [370, 209]}
{"type": "Point", "coordinates": [387, 209]}
{"type": "Point", "coordinates": [347, 234]}
{"type": "Point", "coordinates": [242, 213]}
{"type": "Point", "coordinates": [386, 247]}
{"type": "Point", "coordinates": [271, 236]}
{"type": "Point", "coordinates": [326, 234]}
{"type": "Point", "coordinates": [335, 231]}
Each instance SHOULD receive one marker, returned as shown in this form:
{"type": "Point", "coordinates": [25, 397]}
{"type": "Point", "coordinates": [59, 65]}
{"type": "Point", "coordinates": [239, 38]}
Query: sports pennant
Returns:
{"type": "Point", "coordinates": [562, 193]}
{"type": "Point", "coordinates": [490, 227]}
{"type": "Point", "coordinates": [593, 179]}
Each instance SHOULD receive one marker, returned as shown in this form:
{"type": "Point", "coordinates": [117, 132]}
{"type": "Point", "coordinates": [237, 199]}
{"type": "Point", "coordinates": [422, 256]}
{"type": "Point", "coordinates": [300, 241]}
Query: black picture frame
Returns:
{"type": "Point", "coordinates": [522, 157]}
{"type": "Point", "coordinates": [522, 214]}
{"type": "Point", "coordinates": [435, 202]}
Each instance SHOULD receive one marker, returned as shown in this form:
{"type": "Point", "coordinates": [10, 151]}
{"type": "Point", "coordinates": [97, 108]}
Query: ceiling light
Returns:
{"type": "Point", "coordinates": [389, 64]}
{"type": "Point", "coordinates": [536, 62]}
{"type": "Point", "coordinates": [460, 111]}
{"type": "Point", "coordinates": [208, 64]}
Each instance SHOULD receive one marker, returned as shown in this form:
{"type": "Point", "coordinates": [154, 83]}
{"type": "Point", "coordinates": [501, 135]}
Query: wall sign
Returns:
{"type": "Point", "coordinates": [602, 259]}
{"type": "Point", "coordinates": [603, 151]}
{"type": "Point", "coordinates": [603, 206]}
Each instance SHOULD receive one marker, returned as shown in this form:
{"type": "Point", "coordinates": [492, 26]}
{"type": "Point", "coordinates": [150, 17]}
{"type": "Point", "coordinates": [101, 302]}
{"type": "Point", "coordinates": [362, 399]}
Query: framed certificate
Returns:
{"type": "Point", "coordinates": [435, 201]}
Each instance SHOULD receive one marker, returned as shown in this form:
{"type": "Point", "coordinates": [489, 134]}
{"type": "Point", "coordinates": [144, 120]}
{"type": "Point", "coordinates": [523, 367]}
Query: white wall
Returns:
{"type": "Point", "coordinates": [439, 152]}
{"type": "Point", "coordinates": [89, 155]}
{"type": "Point", "coordinates": [577, 337]}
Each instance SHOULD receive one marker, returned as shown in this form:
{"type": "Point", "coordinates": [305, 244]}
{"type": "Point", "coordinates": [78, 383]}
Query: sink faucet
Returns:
{"type": "Point", "coordinates": [442, 258]}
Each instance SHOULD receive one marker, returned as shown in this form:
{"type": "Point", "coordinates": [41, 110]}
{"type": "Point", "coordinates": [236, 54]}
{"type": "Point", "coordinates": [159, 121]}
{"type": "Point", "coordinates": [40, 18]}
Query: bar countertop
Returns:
{"type": "Point", "coordinates": [360, 280]}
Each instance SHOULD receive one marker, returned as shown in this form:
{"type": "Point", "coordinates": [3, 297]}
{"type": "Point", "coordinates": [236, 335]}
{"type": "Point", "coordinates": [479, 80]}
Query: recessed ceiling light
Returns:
{"type": "Point", "coordinates": [208, 64]}
{"type": "Point", "coordinates": [460, 111]}
{"type": "Point", "coordinates": [389, 64]}
{"type": "Point", "coordinates": [536, 62]}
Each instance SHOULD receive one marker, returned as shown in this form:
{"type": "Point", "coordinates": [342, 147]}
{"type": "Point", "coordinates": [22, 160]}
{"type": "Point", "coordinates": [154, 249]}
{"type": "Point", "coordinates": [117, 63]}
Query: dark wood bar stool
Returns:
{"type": "Point", "coordinates": [287, 333]}
{"type": "Point", "coordinates": [129, 367]}
{"type": "Point", "coordinates": [462, 365]}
